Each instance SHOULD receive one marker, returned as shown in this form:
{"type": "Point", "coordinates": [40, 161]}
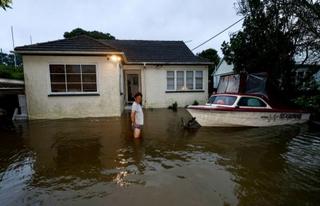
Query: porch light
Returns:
{"type": "Point", "coordinates": [115, 58]}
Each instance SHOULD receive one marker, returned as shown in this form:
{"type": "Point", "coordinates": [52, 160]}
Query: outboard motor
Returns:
{"type": "Point", "coordinates": [191, 124]}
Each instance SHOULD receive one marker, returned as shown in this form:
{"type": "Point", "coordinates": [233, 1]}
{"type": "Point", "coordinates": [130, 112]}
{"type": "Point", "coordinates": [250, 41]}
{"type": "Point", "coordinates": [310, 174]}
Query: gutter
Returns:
{"type": "Point", "coordinates": [11, 81]}
{"type": "Point", "coordinates": [169, 63]}
{"type": "Point", "coordinates": [71, 53]}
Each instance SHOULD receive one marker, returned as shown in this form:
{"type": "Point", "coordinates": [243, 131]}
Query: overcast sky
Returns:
{"type": "Point", "coordinates": [192, 21]}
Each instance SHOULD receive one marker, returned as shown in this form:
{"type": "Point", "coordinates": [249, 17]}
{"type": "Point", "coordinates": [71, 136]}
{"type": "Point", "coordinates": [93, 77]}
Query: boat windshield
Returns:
{"type": "Point", "coordinates": [223, 100]}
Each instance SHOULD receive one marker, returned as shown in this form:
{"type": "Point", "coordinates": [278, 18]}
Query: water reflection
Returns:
{"type": "Point", "coordinates": [96, 161]}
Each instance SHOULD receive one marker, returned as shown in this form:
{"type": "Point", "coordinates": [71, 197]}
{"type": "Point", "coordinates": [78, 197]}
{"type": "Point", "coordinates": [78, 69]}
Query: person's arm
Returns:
{"type": "Point", "coordinates": [133, 117]}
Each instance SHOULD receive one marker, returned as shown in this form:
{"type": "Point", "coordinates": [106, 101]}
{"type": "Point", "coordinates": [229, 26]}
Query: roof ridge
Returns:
{"type": "Point", "coordinates": [75, 37]}
{"type": "Point", "coordinates": [143, 40]}
{"type": "Point", "coordinates": [40, 43]}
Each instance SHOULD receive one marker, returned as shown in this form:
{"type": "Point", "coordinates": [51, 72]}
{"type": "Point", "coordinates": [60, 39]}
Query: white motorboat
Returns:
{"type": "Point", "coordinates": [237, 110]}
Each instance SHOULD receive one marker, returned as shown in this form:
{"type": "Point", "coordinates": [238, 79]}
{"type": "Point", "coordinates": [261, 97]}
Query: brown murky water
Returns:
{"type": "Point", "coordinates": [96, 162]}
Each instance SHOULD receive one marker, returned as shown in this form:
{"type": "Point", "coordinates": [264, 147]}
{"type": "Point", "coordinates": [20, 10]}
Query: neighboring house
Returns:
{"type": "Point", "coordinates": [222, 69]}
{"type": "Point", "coordinates": [305, 68]}
{"type": "Point", "coordinates": [85, 77]}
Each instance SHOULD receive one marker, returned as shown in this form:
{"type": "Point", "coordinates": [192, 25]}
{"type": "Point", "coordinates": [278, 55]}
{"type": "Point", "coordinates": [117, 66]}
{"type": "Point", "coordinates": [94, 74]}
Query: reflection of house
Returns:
{"type": "Point", "coordinates": [222, 69]}
{"type": "Point", "coordinates": [85, 77]}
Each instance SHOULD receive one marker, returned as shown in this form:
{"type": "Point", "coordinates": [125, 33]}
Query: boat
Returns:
{"type": "Point", "coordinates": [244, 110]}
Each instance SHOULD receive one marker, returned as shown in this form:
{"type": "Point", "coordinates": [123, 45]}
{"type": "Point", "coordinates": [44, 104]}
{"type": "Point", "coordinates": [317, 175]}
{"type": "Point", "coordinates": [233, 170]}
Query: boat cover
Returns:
{"type": "Point", "coordinates": [254, 83]}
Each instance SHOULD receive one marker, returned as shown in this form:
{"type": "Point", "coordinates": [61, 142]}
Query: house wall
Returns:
{"type": "Point", "coordinates": [42, 106]}
{"type": "Point", "coordinates": [154, 86]}
{"type": "Point", "coordinates": [222, 69]}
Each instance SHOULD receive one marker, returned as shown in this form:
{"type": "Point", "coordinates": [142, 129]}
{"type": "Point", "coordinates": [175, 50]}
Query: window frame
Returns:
{"type": "Point", "coordinates": [174, 81]}
{"type": "Point", "coordinates": [184, 88]}
{"type": "Point", "coordinates": [195, 79]}
{"type": "Point", "coordinates": [183, 79]}
{"type": "Point", "coordinates": [260, 99]}
{"type": "Point", "coordinates": [66, 93]}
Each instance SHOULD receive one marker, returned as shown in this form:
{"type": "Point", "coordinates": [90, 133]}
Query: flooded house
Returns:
{"type": "Point", "coordinates": [85, 77]}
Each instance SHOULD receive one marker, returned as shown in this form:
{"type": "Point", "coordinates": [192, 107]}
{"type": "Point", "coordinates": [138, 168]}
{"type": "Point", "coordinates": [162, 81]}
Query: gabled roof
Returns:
{"type": "Point", "coordinates": [135, 51]}
{"type": "Point", "coordinates": [77, 44]}
{"type": "Point", "coordinates": [223, 68]}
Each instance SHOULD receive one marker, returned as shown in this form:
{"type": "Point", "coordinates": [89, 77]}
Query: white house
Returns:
{"type": "Point", "coordinates": [222, 69]}
{"type": "Point", "coordinates": [86, 77]}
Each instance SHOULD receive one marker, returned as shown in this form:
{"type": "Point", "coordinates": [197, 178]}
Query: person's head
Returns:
{"type": "Point", "coordinates": [138, 97]}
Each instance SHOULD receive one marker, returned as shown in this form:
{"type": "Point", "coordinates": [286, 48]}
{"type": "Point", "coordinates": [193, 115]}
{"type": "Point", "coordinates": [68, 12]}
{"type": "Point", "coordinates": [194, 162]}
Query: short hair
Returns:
{"type": "Point", "coordinates": [138, 94]}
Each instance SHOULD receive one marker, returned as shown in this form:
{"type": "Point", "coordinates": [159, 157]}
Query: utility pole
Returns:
{"type": "Point", "coordinates": [14, 55]}
{"type": "Point", "coordinates": [1, 56]}
{"type": "Point", "coordinates": [30, 39]}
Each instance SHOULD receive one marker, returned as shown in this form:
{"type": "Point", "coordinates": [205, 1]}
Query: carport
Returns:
{"type": "Point", "coordinates": [12, 99]}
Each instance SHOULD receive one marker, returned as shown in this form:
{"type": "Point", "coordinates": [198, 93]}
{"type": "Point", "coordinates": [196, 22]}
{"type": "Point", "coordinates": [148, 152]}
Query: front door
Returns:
{"type": "Point", "coordinates": [133, 86]}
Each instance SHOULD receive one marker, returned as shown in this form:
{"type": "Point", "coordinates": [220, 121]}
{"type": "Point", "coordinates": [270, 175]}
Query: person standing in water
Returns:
{"type": "Point", "coordinates": [137, 115]}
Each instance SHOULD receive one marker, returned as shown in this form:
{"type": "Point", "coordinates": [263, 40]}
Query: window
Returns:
{"type": "Point", "coordinates": [223, 100]}
{"type": "Point", "coordinates": [251, 102]}
{"type": "Point", "coordinates": [180, 80]}
{"type": "Point", "coordinates": [189, 80]}
{"type": "Point", "coordinates": [73, 78]}
{"type": "Point", "coordinates": [300, 76]}
{"type": "Point", "coordinates": [170, 80]}
{"type": "Point", "coordinates": [199, 79]}
{"type": "Point", "coordinates": [184, 80]}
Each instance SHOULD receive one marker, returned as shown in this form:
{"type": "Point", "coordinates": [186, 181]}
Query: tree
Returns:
{"type": "Point", "coordinates": [212, 56]}
{"type": "Point", "coordinates": [273, 32]}
{"type": "Point", "coordinates": [8, 59]}
{"type": "Point", "coordinates": [93, 34]}
{"type": "Point", "coordinates": [4, 4]}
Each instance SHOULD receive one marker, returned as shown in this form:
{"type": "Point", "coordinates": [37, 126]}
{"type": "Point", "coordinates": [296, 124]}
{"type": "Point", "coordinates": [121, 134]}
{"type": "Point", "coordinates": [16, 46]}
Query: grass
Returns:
{"type": "Point", "coordinates": [11, 72]}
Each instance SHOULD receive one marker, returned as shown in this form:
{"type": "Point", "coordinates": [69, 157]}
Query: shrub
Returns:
{"type": "Point", "coordinates": [310, 103]}
{"type": "Point", "coordinates": [11, 72]}
{"type": "Point", "coordinates": [174, 106]}
{"type": "Point", "coordinates": [195, 102]}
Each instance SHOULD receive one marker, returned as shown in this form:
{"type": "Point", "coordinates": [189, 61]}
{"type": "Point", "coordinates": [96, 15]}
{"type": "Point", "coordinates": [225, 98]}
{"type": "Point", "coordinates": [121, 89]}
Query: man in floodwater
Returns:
{"type": "Point", "coordinates": [137, 115]}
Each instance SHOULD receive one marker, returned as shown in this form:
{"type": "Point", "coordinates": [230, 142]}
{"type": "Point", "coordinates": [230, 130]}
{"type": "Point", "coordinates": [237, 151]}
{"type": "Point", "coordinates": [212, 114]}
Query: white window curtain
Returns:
{"type": "Point", "coordinates": [199, 80]}
{"type": "Point", "coordinates": [180, 80]}
{"type": "Point", "coordinates": [189, 79]}
{"type": "Point", "coordinates": [170, 80]}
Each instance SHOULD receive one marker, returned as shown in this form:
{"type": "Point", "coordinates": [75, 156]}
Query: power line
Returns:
{"type": "Point", "coordinates": [217, 34]}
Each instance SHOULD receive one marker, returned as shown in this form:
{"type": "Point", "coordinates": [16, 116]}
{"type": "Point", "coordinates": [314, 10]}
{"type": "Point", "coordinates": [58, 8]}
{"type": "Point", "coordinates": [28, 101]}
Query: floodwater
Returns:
{"type": "Point", "coordinates": [96, 162]}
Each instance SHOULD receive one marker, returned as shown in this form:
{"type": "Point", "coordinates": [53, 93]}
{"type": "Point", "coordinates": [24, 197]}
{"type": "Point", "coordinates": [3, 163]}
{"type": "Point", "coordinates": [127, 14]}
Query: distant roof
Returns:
{"type": "Point", "coordinates": [135, 51]}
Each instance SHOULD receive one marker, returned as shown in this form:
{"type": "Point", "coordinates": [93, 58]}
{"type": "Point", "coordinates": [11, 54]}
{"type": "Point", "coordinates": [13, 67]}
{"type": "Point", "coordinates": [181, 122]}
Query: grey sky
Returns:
{"type": "Point", "coordinates": [47, 20]}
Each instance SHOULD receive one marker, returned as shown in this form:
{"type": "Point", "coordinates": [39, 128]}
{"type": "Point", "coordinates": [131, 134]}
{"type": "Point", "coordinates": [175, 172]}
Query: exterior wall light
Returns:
{"type": "Point", "coordinates": [115, 58]}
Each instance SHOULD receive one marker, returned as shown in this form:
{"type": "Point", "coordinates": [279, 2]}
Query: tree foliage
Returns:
{"type": "Point", "coordinates": [274, 31]}
{"type": "Point", "coordinates": [8, 59]}
{"type": "Point", "coordinates": [4, 4]}
{"type": "Point", "coordinates": [11, 72]}
{"type": "Point", "coordinates": [212, 56]}
{"type": "Point", "coordinates": [93, 34]}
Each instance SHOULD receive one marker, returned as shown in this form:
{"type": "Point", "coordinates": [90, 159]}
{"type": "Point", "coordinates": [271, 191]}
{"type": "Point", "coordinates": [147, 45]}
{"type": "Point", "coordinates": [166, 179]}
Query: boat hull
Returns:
{"type": "Point", "coordinates": [217, 118]}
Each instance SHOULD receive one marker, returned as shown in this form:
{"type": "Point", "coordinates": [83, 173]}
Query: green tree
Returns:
{"type": "Point", "coordinates": [212, 56]}
{"type": "Point", "coordinates": [273, 32]}
{"type": "Point", "coordinates": [4, 4]}
{"type": "Point", "coordinates": [93, 34]}
{"type": "Point", "coordinates": [8, 59]}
